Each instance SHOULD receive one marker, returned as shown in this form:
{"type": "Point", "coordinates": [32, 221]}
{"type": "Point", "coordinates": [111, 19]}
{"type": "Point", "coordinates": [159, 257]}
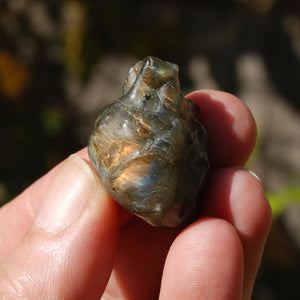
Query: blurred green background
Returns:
{"type": "Point", "coordinates": [60, 61]}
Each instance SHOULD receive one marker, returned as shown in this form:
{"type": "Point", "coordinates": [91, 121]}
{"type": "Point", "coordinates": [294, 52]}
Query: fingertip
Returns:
{"type": "Point", "coordinates": [250, 207]}
{"type": "Point", "coordinates": [236, 195]}
{"type": "Point", "coordinates": [204, 262]}
{"type": "Point", "coordinates": [83, 153]}
{"type": "Point", "coordinates": [230, 126]}
{"type": "Point", "coordinates": [253, 220]}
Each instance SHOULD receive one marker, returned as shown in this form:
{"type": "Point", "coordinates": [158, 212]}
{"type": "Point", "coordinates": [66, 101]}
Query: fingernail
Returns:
{"type": "Point", "coordinates": [68, 194]}
{"type": "Point", "coordinates": [252, 173]}
{"type": "Point", "coordinates": [255, 175]}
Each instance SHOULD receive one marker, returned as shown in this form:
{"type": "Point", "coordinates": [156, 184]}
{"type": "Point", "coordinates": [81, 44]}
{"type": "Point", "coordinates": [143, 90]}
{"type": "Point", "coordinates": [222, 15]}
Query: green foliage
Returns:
{"type": "Point", "coordinates": [53, 121]}
{"type": "Point", "coordinates": [280, 200]}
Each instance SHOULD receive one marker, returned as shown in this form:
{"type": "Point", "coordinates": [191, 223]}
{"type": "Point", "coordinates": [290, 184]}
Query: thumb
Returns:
{"type": "Point", "coordinates": [68, 252]}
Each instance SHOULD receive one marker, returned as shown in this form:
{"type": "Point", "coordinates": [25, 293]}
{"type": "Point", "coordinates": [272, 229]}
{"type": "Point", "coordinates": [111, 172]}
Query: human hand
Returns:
{"type": "Point", "coordinates": [65, 238]}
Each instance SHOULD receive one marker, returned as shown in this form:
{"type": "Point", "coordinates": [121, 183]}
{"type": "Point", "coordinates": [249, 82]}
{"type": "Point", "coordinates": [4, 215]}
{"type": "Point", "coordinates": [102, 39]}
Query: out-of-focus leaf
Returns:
{"type": "Point", "coordinates": [14, 76]}
{"type": "Point", "coordinates": [53, 121]}
{"type": "Point", "coordinates": [74, 28]}
{"type": "Point", "coordinates": [280, 200]}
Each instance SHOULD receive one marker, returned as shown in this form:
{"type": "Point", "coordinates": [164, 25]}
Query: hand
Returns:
{"type": "Point", "coordinates": [65, 238]}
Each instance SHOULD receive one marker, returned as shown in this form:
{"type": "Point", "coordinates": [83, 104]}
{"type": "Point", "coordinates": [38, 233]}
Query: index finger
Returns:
{"type": "Point", "coordinates": [231, 128]}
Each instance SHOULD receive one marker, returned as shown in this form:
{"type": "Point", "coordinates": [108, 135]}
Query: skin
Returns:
{"type": "Point", "coordinates": [92, 247]}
